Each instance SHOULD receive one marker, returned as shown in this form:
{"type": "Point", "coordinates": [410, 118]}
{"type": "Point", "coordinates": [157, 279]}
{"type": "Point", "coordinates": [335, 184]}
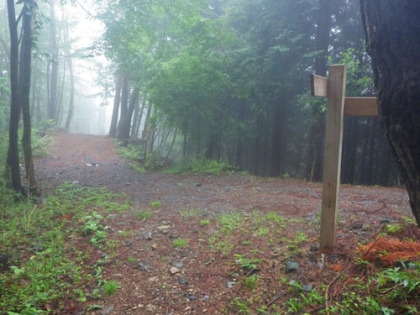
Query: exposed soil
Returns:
{"type": "Point", "coordinates": [208, 280]}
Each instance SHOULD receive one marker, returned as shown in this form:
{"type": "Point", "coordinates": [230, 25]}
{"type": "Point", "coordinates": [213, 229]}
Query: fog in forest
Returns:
{"type": "Point", "coordinates": [216, 80]}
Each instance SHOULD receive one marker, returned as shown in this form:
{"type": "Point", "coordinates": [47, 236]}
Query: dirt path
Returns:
{"type": "Point", "coordinates": [207, 279]}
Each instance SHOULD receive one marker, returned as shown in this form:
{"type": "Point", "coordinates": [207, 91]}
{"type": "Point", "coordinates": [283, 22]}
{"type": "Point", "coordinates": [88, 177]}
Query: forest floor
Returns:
{"type": "Point", "coordinates": [207, 244]}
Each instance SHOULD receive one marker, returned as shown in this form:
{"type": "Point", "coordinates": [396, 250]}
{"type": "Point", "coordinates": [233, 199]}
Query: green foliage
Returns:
{"type": "Point", "coordinates": [41, 267]}
{"type": "Point", "coordinates": [141, 170]}
{"type": "Point", "coordinates": [180, 242]}
{"type": "Point", "coordinates": [40, 143]}
{"type": "Point", "coordinates": [238, 306]}
{"type": "Point", "coordinates": [191, 212]}
{"type": "Point", "coordinates": [231, 222]}
{"type": "Point", "coordinates": [247, 264]}
{"type": "Point", "coordinates": [201, 166]}
{"type": "Point", "coordinates": [154, 162]}
{"type": "Point", "coordinates": [130, 152]}
{"type": "Point", "coordinates": [251, 282]}
{"type": "Point", "coordinates": [110, 287]}
{"type": "Point", "coordinates": [143, 214]}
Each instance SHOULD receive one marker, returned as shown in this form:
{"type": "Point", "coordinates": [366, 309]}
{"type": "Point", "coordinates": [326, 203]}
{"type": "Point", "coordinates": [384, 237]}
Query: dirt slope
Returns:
{"type": "Point", "coordinates": [207, 278]}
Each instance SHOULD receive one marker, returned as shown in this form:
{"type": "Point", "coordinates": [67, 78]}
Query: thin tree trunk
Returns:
{"type": "Point", "coordinates": [115, 110]}
{"type": "Point", "coordinates": [136, 115]}
{"type": "Point", "coordinates": [71, 104]}
{"type": "Point", "coordinates": [53, 104]}
{"type": "Point", "coordinates": [25, 85]}
{"type": "Point", "coordinates": [143, 106]}
{"type": "Point", "coordinates": [124, 103]}
{"type": "Point", "coordinates": [172, 143]}
{"type": "Point", "coordinates": [60, 97]}
{"type": "Point", "coordinates": [125, 120]}
{"type": "Point", "coordinates": [12, 163]}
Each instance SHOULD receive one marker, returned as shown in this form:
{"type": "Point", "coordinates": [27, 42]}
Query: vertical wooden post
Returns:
{"type": "Point", "coordinates": [332, 156]}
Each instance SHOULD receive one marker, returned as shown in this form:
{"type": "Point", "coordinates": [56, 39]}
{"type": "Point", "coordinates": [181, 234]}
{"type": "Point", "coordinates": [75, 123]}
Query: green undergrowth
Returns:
{"type": "Point", "coordinates": [38, 264]}
{"type": "Point", "coordinates": [201, 166]}
{"type": "Point", "coordinates": [154, 162]}
{"type": "Point", "coordinates": [130, 152]}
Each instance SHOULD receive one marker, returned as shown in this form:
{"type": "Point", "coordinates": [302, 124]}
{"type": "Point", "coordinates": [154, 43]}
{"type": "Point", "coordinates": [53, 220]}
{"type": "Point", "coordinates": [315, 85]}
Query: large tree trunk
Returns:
{"type": "Point", "coordinates": [12, 163]}
{"type": "Point", "coordinates": [392, 30]}
{"type": "Point", "coordinates": [25, 87]}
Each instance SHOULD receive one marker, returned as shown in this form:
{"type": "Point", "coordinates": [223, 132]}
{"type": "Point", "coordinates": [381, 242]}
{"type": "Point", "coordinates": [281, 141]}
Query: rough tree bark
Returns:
{"type": "Point", "coordinates": [392, 30]}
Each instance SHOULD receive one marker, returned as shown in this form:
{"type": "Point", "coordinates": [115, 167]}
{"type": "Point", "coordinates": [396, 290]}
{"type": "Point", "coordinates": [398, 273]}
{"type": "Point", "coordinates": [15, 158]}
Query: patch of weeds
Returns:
{"type": "Point", "coordinates": [143, 214]}
{"type": "Point", "coordinates": [191, 212]}
{"type": "Point", "coordinates": [40, 144]}
{"type": "Point", "coordinates": [251, 282]}
{"type": "Point", "coordinates": [111, 245]}
{"type": "Point", "coordinates": [294, 220]}
{"type": "Point", "coordinates": [231, 222]}
{"type": "Point", "coordinates": [180, 242]}
{"type": "Point", "coordinates": [131, 259]}
{"type": "Point", "coordinates": [125, 233]}
{"type": "Point", "coordinates": [130, 152]}
{"type": "Point", "coordinates": [204, 222]}
{"type": "Point", "coordinates": [110, 287]}
{"type": "Point", "coordinates": [302, 300]}
{"type": "Point", "coordinates": [246, 243]}
{"type": "Point", "coordinates": [238, 306]}
{"type": "Point", "coordinates": [212, 241]}
{"type": "Point", "coordinates": [262, 231]}
{"type": "Point", "coordinates": [301, 237]}
{"type": "Point", "coordinates": [94, 228]}
{"type": "Point", "coordinates": [138, 169]}
{"type": "Point", "coordinates": [43, 268]}
{"type": "Point", "coordinates": [394, 228]}
{"type": "Point", "coordinates": [408, 220]}
{"type": "Point", "coordinates": [91, 308]}
{"type": "Point", "coordinates": [247, 264]}
{"type": "Point", "coordinates": [225, 246]}
{"type": "Point", "coordinates": [202, 166]}
{"type": "Point", "coordinates": [274, 217]}
{"type": "Point", "coordinates": [156, 203]}
{"type": "Point", "coordinates": [154, 162]}
{"type": "Point", "coordinates": [98, 238]}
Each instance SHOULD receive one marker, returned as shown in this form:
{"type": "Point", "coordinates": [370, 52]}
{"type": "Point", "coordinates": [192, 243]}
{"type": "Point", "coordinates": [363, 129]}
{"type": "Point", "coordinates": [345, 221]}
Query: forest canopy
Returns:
{"type": "Point", "coordinates": [220, 80]}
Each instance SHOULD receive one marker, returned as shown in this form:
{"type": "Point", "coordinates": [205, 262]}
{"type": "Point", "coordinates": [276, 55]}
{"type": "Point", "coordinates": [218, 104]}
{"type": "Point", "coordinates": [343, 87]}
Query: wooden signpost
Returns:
{"type": "Point", "coordinates": [334, 88]}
